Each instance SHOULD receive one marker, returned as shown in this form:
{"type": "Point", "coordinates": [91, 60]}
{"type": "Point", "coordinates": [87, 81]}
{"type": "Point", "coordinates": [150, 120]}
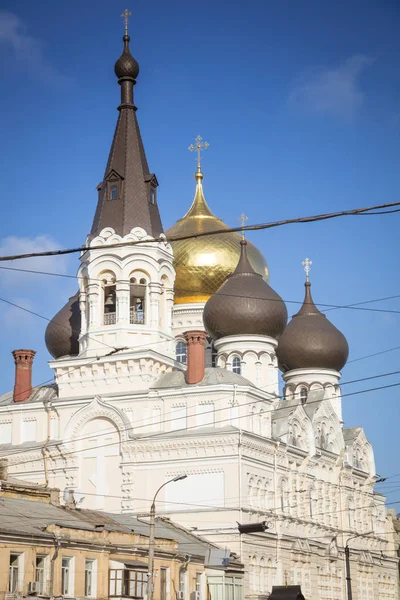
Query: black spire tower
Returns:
{"type": "Point", "coordinates": [127, 195]}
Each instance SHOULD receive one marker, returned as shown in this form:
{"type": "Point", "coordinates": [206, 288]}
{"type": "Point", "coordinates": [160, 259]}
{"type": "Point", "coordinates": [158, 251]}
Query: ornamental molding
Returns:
{"type": "Point", "coordinates": [187, 443]}
{"type": "Point", "coordinates": [97, 409]}
{"type": "Point", "coordinates": [107, 236]}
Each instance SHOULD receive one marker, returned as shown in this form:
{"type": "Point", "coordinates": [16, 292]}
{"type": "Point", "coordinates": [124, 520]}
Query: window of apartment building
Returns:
{"type": "Point", "coordinates": [67, 581]}
{"type": "Point", "coordinates": [198, 590]}
{"type": "Point", "coordinates": [182, 584]}
{"type": "Point", "coordinates": [15, 572]}
{"type": "Point", "coordinates": [90, 577]}
{"type": "Point", "coordinates": [163, 583]}
{"type": "Point", "coordinates": [40, 574]}
{"type": "Point", "coordinates": [126, 582]}
{"type": "Point", "coordinates": [225, 588]}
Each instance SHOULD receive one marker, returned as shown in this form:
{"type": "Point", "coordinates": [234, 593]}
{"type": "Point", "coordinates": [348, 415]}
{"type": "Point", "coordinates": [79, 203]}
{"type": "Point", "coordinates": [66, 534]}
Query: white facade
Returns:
{"type": "Point", "coordinates": [123, 421]}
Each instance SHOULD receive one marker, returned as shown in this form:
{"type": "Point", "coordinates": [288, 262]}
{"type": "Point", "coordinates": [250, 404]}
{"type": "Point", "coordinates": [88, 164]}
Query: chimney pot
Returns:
{"type": "Point", "coordinates": [196, 342]}
{"type": "Point", "coordinates": [23, 360]}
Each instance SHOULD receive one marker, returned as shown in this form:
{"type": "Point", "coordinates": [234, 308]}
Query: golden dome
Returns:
{"type": "Point", "coordinates": [202, 264]}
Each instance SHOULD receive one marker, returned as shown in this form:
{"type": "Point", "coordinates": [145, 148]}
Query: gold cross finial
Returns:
{"type": "Point", "coordinates": [307, 266]}
{"type": "Point", "coordinates": [125, 15]}
{"type": "Point", "coordinates": [199, 145]}
{"type": "Point", "coordinates": [242, 219]}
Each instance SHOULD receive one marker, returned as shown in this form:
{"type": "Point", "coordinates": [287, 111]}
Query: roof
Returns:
{"type": "Point", "coordinates": [311, 341]}
{"type": "Point", "coordinates": [167, 530]}
{"type": "Point", "coordinates": [286, 592]}
{"type": "Point", "coordinates": [30, 517]}
{"type": "Point", "coordinates": [39, 394]}
{"type": "Point", "coordinates": [127, 169]}
{"type": "Point", "coordinates": [212, 376]}
{"type": "Point", "coordinates": [245, 304]}
{"type": "Point", "coordinates": [350, 433]}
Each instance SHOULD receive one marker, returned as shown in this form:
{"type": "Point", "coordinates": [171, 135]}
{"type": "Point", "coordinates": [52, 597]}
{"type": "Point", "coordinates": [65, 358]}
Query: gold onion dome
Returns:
{"type": "Point", "coordinates": [202, 264]}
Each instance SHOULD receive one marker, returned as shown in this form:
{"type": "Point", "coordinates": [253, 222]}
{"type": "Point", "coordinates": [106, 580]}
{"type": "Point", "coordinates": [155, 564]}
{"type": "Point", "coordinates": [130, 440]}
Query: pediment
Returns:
{"type": "Point", "coordinates": [152, 179]}
{"type": "Point", "coordinates": [113, 175]}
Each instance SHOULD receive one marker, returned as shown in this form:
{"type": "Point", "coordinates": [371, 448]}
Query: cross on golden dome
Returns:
{"type": "Point", "coordinates": [242, 219]}
{"type": "Point", "coordinates": [125, 15]}
{"type": "Point", "coordinates": [307, 266]}
{"type": "Point", "coordinates": [198, 146]}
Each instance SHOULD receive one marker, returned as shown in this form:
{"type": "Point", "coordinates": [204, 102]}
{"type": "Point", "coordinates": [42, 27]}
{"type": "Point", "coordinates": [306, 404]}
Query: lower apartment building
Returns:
{"type": "Point", "coordinates": [61, 551]}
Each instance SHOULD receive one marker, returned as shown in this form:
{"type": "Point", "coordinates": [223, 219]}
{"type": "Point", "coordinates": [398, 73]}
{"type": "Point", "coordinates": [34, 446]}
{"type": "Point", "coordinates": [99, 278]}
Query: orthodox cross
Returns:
{"type": "Point", "coordinates": [307, 266]}
{"type": "Point", "coordinates": [125, 15]}
{"type": "Point", "coordinates": [199, 145]}
{"type": "Point", "coordinates": [242, 219]}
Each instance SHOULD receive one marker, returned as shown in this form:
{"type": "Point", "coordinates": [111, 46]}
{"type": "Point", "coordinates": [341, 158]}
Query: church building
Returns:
{"type": "Point", "coordinates": [167, 361]}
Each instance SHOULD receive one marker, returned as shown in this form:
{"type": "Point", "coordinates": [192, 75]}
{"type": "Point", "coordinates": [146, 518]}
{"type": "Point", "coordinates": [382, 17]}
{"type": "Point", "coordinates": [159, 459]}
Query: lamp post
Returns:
{"type": "Point", "coordinates": [347, 557]}
{"type": "Point", "coordinates": [150, 582]}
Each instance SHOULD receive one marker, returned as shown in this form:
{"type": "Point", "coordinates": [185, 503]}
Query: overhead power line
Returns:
{"type": "Point", "coordinates": [176, 431]}
{"type": "Point", "coordinates": [145, 422]}
{"type": "Point", "coordinates": [257, 227]}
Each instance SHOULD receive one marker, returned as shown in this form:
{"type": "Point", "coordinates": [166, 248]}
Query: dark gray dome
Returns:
{"type": "Point", "coordinates": [62, 332]}
{"type": "Point", "coordinates": [244, 304]}
{"type": "Point", "coordinates": [126, 65]}
{"type": "Point", "coordinates": [311, 341]}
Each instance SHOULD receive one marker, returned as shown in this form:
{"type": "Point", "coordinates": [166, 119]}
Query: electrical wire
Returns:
{"type": "Point", "coordinates": [163, 239]}
{"type": "Point", "coordinates": [163, 433]}
{"type": "Point", "coordinates": [211, 411]}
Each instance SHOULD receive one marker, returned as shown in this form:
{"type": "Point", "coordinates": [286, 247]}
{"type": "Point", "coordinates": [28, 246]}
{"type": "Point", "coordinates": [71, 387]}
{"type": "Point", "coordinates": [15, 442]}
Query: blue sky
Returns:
{"type": "Point", "coordinates": [300, 105]}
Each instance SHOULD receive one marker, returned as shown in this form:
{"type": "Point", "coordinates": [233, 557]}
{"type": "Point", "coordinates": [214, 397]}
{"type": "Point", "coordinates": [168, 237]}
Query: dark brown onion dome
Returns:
{"type": "Point", "coordinates": [244, 305]}
{"type": "Point", "coordinates": [311, 341]}
{"type": "Point", "coordinates": [62, 333]}
{"type": "Point", "coordinates": [126, 65]}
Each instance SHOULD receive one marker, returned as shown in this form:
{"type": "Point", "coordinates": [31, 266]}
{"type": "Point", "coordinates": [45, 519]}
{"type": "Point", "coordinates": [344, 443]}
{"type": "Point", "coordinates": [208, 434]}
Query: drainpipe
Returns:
{"type": "Point", "coordinates": [57, 544]}
{"type": "Point", "coordinates": [240, 488]}
{"type": "Point", "coordinates": [47, 407]}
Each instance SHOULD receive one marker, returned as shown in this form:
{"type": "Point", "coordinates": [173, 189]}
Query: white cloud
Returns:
{"type": "Point", "coordinates": [13, 245]}
{"type": "Point", "coordinates": [332, 91]}
{"type": "Point", "coordinates": [27, 48]}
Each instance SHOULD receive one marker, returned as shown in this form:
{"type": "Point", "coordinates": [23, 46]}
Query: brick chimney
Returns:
{"type": "Point", "coordinates": [23, 360]}
{"type": "Point", "coordinates": [196, 347]}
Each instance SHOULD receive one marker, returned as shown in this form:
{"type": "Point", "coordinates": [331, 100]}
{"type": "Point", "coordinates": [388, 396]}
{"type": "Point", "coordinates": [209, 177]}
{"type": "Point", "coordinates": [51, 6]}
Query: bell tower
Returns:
{"type": "Point", "coordinates": [126, 276]}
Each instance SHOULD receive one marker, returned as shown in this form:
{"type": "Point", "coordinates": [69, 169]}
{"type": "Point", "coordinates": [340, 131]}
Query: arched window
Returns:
{"type": "Point", "coordinates": [113, 192]}
{"type": "Point", "coordinates": [303, 395]}
{"type": "Point", "coordinates": [137, 313]}
{"type": "Point", "coordinates": [236, 366]}
{"type": "Point", "coordinates": [110, 302]}
{"type": "Point", "coordinates": [181, 352]}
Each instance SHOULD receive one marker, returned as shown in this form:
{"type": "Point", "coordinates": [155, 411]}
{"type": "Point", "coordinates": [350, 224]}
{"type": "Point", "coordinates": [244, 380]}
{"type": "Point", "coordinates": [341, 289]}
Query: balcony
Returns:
{"type": "Point", "coordinates": [136, 317]}
{"type": "Point", "coordinates": [110, 318]}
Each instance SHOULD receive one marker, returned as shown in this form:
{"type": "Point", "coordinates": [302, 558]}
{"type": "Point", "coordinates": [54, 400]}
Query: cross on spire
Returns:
{"type": "Point", "coordinates": [125, 15]}
{"type": "Point", "coordinates": [307, 266]}
{"type": "Point", "coordinates": [242, 219]}
{"type": "Point", "coordinates": [198, 146]}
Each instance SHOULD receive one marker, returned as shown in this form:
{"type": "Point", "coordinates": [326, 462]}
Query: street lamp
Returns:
{"type": "Point", "coordinates": [347, 555]}
{"type": "Point", "coordinates": [150, 583]}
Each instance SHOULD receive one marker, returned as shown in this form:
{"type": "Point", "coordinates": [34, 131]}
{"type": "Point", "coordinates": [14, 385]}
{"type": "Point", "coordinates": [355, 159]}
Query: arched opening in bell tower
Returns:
{"type": "Point", "coordinates": [137, 300]}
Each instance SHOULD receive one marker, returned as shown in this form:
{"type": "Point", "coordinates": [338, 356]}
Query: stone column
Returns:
{"type": "Point", "coordinates": [82, 308]}
{"type": "Point", "coordinates": [152, 317]}
{"type": "Point", "coordinates": [93, 298]}
{"type": "Point", "coordinates": [122, 297]}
